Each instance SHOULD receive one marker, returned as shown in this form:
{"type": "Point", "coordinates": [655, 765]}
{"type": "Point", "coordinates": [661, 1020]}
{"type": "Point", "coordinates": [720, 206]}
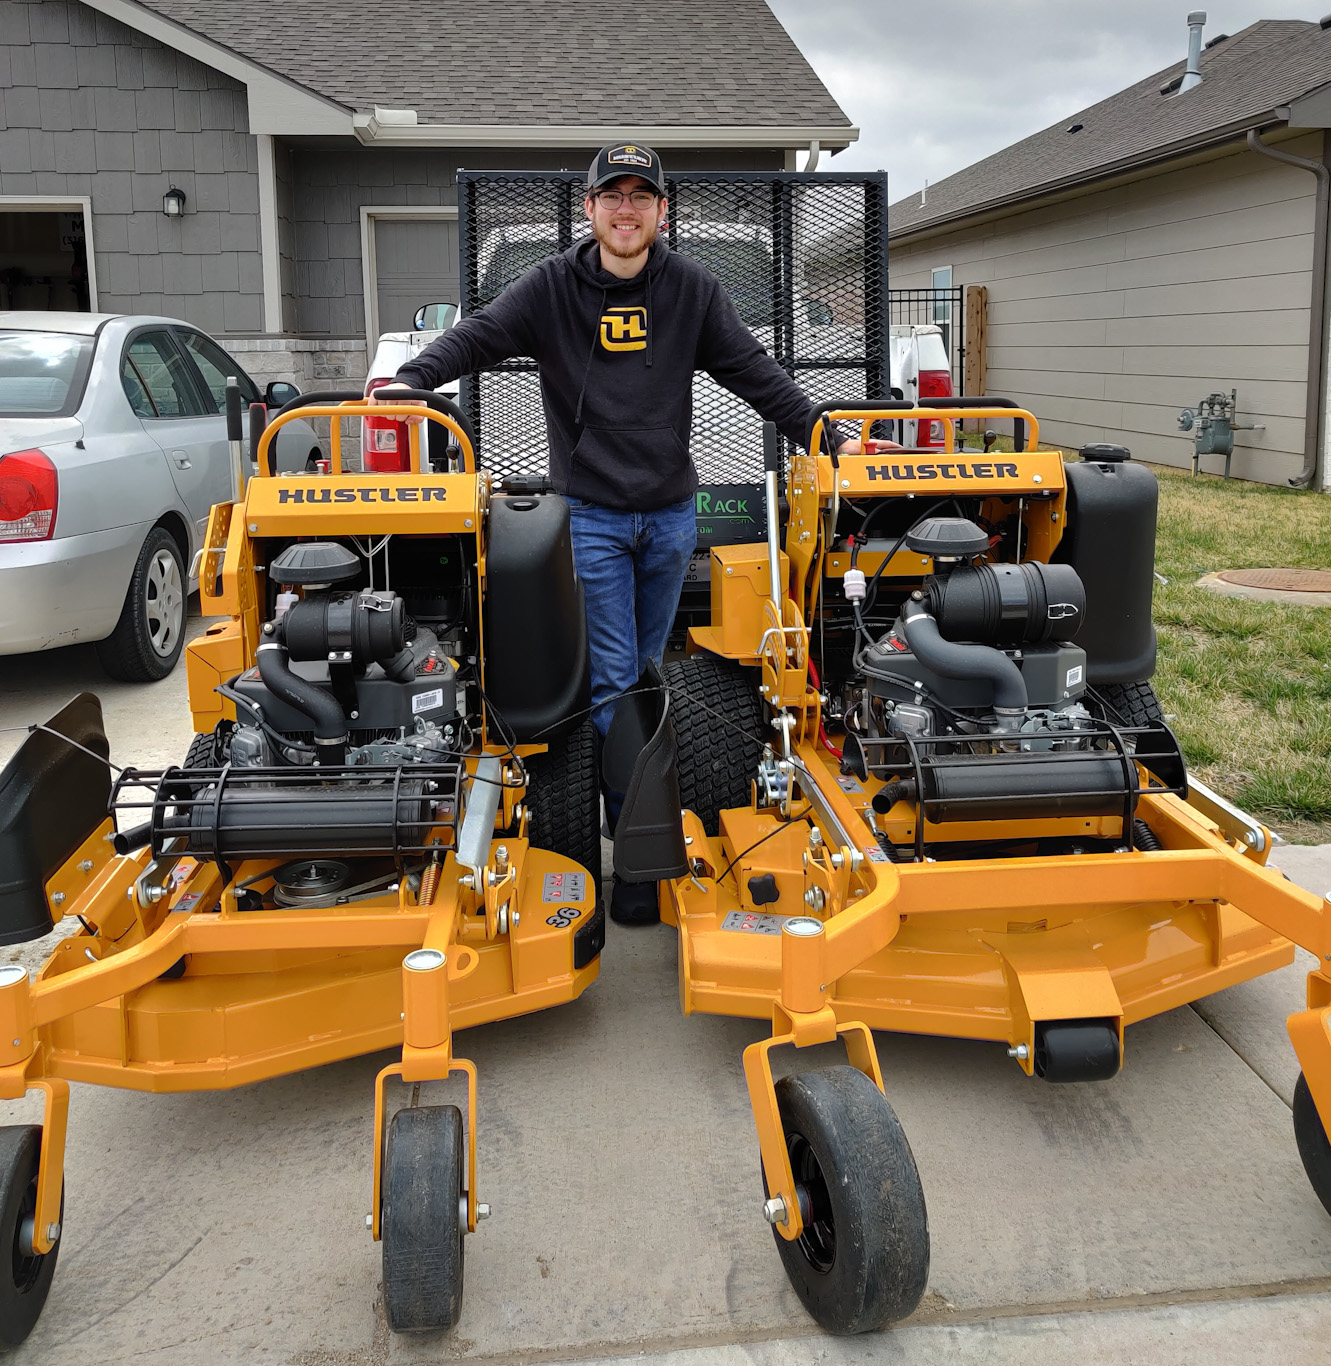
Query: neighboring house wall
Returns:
{"type": "Point", "coordinates": [94, 108]}
{"type": "Point", "coordinates": [322, 279]}
{"type": "Point", "coordinates": [1110, 313]}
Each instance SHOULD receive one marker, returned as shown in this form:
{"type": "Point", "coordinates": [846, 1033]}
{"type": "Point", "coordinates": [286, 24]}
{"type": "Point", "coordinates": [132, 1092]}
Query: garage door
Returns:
{"type": "Point", "coordinates": [416, 262]}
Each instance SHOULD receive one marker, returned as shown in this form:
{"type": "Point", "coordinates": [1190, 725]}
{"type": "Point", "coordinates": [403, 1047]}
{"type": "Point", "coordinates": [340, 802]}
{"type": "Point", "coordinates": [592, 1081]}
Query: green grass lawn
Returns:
{"type": "Point", "coordinates": [1247, 685]}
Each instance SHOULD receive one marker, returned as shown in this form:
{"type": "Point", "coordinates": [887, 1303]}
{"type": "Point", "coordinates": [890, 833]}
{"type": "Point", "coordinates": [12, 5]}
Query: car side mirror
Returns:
{"type": "Point", "coordinates": [431, 317]}
{"type": "Point", "coordinates": [279, 393]}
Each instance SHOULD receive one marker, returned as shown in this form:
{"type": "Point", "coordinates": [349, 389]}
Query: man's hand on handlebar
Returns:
{"type": "Point", "coordinates": [384, 394]}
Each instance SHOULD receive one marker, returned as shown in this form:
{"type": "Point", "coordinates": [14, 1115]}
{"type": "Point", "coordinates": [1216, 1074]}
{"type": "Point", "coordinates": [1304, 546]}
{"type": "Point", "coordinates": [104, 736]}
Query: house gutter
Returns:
{"type": "Point", "coordinates": [1312, 422]}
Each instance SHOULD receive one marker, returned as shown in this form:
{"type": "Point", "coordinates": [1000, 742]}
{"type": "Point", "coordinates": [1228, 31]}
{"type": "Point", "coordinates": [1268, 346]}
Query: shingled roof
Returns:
{"type": "Point", "coordinates": [525, 62]}
{"type": "Point", "coordinates": [1244, 79]}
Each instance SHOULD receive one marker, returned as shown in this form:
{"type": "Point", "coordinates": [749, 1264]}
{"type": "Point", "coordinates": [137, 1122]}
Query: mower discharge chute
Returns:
{"type": "Point", "coordinates": [387, 828]}
{"type": "Point", "coordinates": [927, 788]}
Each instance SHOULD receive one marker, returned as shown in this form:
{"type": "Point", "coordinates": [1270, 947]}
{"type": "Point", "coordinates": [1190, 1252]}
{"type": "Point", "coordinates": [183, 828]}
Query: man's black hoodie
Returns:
{"type": "Point", "coordinates": [616, 360]}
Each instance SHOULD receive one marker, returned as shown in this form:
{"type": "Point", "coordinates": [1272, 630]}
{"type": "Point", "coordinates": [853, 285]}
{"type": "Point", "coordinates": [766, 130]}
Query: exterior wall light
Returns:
{"type": "Point", "coordinates": [173, 202]}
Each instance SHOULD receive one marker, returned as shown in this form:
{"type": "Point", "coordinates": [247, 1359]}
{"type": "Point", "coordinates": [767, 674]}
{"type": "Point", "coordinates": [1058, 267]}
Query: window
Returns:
{"type": "Point", "coordinates": [156, 381]}
{"type": "Point", "coordinates": [42, 374]}
{"type": "Point", "coordinates": [217, 367]}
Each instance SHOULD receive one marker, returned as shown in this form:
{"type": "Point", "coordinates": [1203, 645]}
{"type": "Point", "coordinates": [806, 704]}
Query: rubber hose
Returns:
{"type": "Point", "coordinates": [323, 709]}
{"type": "Point", "coordinates": [951, 660]}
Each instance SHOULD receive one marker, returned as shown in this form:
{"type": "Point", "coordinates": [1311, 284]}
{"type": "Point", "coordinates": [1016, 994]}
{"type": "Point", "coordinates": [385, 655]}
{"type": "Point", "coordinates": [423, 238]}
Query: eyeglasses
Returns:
{"type": "Point", "coordinates": [640, 199]}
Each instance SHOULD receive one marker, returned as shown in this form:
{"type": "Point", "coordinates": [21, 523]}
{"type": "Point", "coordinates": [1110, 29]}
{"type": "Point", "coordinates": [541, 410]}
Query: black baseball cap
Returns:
{"type": "Point", "coordinates": [626, 158]}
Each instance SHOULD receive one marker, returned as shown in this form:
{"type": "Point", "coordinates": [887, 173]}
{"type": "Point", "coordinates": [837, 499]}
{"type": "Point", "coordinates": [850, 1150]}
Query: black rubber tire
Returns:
{"type": "Point", "coordinates": [23, 1292]}
{"type": "Point", "coordinates": [564, 798]}
{"type": "Point", "coordinates": [129, 652]}
{"type": "Point", "coordinates": [420, 1220]}
{"type": "Point", "coordinates": [1128, 704]}
{"type": "Point", "coordinates": [1314, 1147]}
{"type": "Point", "coordinates": [200, 753]}
{"type": "Point", "coordinates": [720, 730]}
{"type": "Point", "coordinates": [863, 1260]}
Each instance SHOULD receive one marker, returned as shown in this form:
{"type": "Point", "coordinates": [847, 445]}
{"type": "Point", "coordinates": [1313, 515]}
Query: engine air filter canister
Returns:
{"type": "Point", "coordinates": [1008, 604]}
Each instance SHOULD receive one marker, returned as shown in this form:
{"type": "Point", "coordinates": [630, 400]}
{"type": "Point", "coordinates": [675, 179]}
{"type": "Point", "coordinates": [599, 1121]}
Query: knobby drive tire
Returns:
{"type": "Point", "coordinates": [1128, 704]}
{"type": "Point", "coordinates": [720, 730]}
{"type": "Point", "coordinates": [564, 797]}
{"type": "Point", "coordinates": [863, 1259]}
{"type": "Point", "coordinates": [200, 753]}
{"type": "Point", "coordinates": [25, 1280]}
{"type": "Point", "coordinates": [420, 1219]}
{"type": "Point", "coordinates": [1314, 1148]}
{"type": "Point", "coordinates": [150, 634]}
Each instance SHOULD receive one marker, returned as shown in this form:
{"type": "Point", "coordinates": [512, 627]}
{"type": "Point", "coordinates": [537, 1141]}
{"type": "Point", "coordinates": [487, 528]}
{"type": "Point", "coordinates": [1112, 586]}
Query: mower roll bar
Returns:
{"type": "Point", "coordinates": [897, 405]}
{"type": "Point", "coordinates": [428, 397]}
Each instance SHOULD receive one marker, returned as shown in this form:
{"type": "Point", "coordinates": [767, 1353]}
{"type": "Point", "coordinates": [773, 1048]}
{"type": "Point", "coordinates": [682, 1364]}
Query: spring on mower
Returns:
{"type": "Point", "coordinates": [429, 883]}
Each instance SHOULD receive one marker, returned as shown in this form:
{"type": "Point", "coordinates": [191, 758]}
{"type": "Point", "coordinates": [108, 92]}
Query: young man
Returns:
{"type": "Point", "coordinates": [617, 326]}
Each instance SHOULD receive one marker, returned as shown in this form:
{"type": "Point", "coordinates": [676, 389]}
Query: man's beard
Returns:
{"type": "Point", "coordinates": [615, 248]}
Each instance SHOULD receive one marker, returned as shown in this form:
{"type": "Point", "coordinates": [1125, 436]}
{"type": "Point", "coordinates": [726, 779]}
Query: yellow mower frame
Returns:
{"type": "Point", "coordinates": [170, 985]}
{"type": "Point", "coordinates": [981, 948]}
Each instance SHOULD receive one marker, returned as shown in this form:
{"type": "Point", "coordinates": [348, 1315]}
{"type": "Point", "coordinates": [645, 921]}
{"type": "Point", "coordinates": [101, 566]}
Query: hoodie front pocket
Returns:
{"type": "Point", "coordinates": [634, 468]}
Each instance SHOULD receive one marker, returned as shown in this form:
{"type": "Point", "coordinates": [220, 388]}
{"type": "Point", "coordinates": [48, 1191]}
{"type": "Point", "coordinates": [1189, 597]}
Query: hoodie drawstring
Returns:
{"type": "Point", "coordinates": [649, 316]}
{"type": "Point", "coordinates": [591, 351]}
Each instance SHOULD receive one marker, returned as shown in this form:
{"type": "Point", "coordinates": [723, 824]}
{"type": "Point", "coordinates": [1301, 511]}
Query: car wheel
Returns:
{"type": "Point", "coordinates": [150, 634]}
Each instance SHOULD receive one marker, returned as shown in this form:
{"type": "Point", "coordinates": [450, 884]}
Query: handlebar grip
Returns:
{"type": "Point", "coordinates": [771, 449]}
{"type": "Point", "coordinates": [258, 421]}
{"type": "Point", "coordinates": [234, 407]}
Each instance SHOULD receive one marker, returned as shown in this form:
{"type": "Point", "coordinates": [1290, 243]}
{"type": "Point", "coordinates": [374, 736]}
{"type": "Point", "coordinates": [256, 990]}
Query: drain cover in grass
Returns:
{"type": "Point", "coordinates": [1299, 587]}
{"type": "Point", "coordinates": [1285, 580]}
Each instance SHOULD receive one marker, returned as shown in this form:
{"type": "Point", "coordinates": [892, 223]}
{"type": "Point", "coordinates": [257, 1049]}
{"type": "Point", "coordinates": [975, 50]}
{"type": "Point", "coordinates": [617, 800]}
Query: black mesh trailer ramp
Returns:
{"type": "Point", "coordinates": [804, 257]}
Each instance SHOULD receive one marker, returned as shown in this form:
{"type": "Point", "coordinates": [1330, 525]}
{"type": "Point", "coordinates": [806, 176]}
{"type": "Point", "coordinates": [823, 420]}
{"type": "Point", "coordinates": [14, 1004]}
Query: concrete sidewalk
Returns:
{"type": "Point", "coordinates": [1163, 1217]}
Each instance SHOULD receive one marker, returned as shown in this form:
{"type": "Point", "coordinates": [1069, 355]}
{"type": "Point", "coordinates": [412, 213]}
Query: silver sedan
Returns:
{"type": "Point", "coordinates": [113, 450]}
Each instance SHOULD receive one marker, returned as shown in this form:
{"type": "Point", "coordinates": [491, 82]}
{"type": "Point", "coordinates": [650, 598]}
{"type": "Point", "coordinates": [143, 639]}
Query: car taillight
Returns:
{"type": "Point", "coordinates": [386, 450]}
{"type": "Point", "coordinates": [934, 384]}
{"type": "Point", "coordinates": [28, 489]}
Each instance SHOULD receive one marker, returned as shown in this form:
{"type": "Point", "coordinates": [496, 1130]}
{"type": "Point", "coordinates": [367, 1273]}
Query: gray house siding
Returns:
{"type": "Point", "coordinates": [1110, 312]}
{"type": "Point", "coordinates": [322, 281]}
{"type": "Point", "coordinates": [92, 108]}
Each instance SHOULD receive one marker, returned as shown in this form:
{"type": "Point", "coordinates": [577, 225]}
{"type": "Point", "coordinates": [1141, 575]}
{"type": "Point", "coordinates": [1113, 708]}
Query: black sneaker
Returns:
{"type": "Point", "coordinates": [634, 903]}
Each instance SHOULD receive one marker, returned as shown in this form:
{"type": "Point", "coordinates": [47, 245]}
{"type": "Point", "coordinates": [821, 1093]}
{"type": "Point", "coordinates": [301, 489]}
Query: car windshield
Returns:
{"type": "Point", "coordinates": [42, 374]}
{"type": "Point", "coordinates": [512, 259]}
{"type": "Point", "coordinates": [744, 268]}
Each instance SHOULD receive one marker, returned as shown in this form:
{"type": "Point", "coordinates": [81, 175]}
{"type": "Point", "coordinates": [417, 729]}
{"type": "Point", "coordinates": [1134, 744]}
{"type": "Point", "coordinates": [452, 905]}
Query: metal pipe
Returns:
{"type": "Point", "coordinates": [1312, 421]}
{"type": "Point", "coordinates": [771, 466]}
{"type": "Point", "coordinates": [1192, 77]}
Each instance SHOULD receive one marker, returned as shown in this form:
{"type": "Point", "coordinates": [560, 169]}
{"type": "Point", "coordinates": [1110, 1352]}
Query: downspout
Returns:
{"type": "Point", "coordinates": [1312, 422]}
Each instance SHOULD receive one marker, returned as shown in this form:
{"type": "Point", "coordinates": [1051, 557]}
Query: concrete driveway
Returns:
{"type": "Point", "coordinates": [1163, 1217]}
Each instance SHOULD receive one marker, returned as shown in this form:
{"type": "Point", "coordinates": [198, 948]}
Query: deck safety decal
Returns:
{"type": "Point", "coordinates": [563, 887]}
{"type": "Point", "coordinates": [753, 923]}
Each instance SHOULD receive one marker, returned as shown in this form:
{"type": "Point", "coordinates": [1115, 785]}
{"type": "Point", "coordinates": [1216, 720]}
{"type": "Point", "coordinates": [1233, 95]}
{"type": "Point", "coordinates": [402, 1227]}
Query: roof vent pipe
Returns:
{"type": "Point", "coordinates": [1193, 75]}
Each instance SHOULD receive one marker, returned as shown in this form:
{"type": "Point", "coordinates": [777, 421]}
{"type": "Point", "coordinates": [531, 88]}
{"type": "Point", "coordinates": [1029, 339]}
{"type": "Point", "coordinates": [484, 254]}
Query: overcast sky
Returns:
{"type": "Point", "coordinates": [934, 85]}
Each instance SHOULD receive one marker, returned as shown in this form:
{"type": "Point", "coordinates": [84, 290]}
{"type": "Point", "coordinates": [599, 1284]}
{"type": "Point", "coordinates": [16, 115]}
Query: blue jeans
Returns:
{"type": "Point", "coordinates": [632, 567]}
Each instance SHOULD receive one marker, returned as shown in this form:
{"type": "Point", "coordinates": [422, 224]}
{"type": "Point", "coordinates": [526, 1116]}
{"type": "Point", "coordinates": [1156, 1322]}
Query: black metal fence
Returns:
{"type": "Point", "coordinates": [804, 257]}
{"type": "Point", "coordinates": [946, 308]}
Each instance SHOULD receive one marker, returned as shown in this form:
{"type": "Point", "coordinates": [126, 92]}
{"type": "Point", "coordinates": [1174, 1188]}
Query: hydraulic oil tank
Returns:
{"type": "Point", "coordinates": [1110, 542]}
{"type": "Point", "coordinates": [537, 674]}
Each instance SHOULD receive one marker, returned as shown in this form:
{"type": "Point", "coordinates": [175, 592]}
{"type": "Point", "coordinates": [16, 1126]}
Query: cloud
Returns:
{"type": "Point", "coordinates": [934, 87]}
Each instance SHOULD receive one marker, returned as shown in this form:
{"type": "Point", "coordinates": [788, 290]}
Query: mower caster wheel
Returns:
{"type": "Point", "coordinates": [862, 1260]}
{"type": "Point", "coordinates": [23, 1292]}
{"type": "Point", "coordinates": [1314, 1148]}
{"type": "Point", "coordinates": [421, 1221]}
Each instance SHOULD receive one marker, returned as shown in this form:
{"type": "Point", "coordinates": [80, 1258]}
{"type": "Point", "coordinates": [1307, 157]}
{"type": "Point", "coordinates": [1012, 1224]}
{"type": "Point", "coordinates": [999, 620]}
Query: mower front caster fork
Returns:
{"type": "Point", "coordinates": [843, 1193]}
{"type": "Point", "coordinates": [32, 1211]}
{"type": "Point", "coordinates": [422, 1208]}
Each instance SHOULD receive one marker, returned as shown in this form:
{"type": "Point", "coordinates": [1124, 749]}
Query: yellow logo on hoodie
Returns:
{"type": "Point", "coordinates": [624, 329]}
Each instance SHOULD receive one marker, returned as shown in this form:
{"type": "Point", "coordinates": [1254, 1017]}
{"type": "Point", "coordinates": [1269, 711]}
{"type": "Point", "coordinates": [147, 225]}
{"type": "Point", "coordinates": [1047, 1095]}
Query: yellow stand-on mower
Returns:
{"type": "Point", "coordinates": [387, 829]}
{"type": "Point", "coordinates": [927, 788]}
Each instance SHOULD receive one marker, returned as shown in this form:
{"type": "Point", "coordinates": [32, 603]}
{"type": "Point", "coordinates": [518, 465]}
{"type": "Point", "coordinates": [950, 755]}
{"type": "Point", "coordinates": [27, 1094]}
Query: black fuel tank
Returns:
{"type": "Point", "coordinates": [537, 673]}
{"type": "Point", "coordinates": [1110, 542]}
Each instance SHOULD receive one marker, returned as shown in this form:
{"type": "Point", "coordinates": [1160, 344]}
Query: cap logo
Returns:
{"type": "Point", "coordinates": [628, 156]}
